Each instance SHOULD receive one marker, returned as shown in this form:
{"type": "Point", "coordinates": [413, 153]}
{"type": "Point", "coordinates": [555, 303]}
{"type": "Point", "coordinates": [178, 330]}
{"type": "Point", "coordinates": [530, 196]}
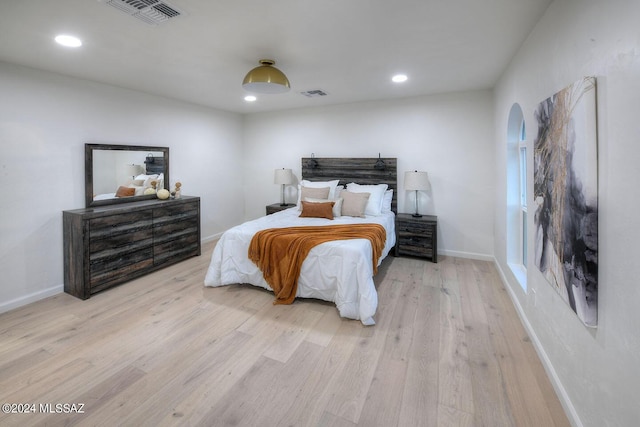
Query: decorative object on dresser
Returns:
{"type": "Point", "coordinates": [163, 194]}
{"type": "Point", "coordinates": [416, 181]}
{"type": "Point", "coordinates": [177, 190]}
{"type": "Point", "coordinates": [417, 236]}
{"type": "Point", "coordinates": [277, 207]}
{"type": "Point", "coordinates": [109, 245]}
{"type": "Point", "coordinates": [284, 177]}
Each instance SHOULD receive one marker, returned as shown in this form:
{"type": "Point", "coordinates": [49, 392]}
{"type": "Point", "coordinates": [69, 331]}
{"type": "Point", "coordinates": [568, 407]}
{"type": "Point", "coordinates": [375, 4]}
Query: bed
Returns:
{"type": "Point", "coordinates": [337, 271]}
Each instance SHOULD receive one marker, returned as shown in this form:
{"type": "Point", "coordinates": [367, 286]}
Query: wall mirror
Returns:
{"type": "Point", "coordinates": [122, 173]}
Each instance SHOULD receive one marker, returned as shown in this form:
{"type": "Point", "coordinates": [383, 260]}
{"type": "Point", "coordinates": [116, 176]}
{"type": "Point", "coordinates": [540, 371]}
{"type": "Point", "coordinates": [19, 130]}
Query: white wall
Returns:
{"type": "Point", "coordinates": [45, 120]}
{"type": "Point", "coordinates": [597, 371]}
{"type": "Point", "coordinates": [449, 136]}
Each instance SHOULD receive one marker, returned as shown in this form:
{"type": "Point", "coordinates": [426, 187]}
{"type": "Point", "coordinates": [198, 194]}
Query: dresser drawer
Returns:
{"type": "Point", "coordinates": [172, 214]}
{"type": "Point", "coordinates": [416, 229]}
{"type": "Point", "coordinates": [117, 267]}
{"type": "Point", "coordinates": [120, 242]}
{"type": "Point", "coordinates": [415, 247]}
{"type": "Point", "coordinates": [121, 224]}
{"type": "Point", "coordinates": [186, 225]}
{"type": "Point", "coordinates": [176, 249]}
{"type": "Point", "coordinates": [415, 240]}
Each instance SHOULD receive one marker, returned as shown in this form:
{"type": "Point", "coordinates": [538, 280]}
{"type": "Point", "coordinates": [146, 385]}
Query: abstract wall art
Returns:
{"type": "Point", "coordinates": [566, 196]}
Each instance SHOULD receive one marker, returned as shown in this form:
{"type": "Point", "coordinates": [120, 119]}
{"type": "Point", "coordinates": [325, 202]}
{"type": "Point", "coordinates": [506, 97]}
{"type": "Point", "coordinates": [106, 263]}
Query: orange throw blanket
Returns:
{"type": "Point", "coordinates": [279, 252]}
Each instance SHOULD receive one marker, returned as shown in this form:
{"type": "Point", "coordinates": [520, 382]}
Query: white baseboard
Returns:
{"type": "Point", "coordinates": [468, 255]}
{"type": "Point", "coordinates": [212, 237]}
{"type": "Point", "coordinates": [28, 299]}
{"type": "Point", "coordinates": [565, 401]}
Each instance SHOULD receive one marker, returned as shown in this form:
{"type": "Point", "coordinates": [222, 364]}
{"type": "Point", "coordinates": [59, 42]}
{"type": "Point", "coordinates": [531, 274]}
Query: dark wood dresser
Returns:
{"type": "Point", "coordinates": [417, 236]}
{"type": "Point", "coordinates": [109, 245]}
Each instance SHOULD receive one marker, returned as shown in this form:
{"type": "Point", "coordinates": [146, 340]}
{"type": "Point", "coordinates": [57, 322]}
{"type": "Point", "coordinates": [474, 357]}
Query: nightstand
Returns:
{"type": "Point", "coordinates": [277, 207]}
{"type": "Point", "coordinates": [417, 236]}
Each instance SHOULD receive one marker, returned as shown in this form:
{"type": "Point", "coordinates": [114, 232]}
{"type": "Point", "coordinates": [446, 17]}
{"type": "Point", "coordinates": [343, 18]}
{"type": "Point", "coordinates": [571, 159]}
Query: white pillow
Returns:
{"type": "Point", "coordinates": [374, 205]}
{"type": "Point", "coordinates": [387, 200]}
{"type": "Point", "coordinates": [337, 207]}
{"type": "Point", "coordinates": [319, 184]}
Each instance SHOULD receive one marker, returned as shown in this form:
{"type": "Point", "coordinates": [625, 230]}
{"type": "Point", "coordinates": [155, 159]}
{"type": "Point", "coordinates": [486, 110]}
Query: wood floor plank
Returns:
{"type": "Point", "coordinates": [163, 350]}
{"type": "Point", "coordinates": [451, 417]}
{"type": "Point", "coordinates": [308, 407]}
{"type": "Point", "coordinates": [326, 328]}
{"type": "Point", "coordinates": [96, 397]}
{"type": "Point", "coordinates": [420, 391]}
{"type": "Point", "coordinates": [293, 335]}
{"type": "Point", "coordinates": [49, 389]}
{"type": "Point", "coordinates": [178, 388]}
{"type": "Point", "coordinates": [268, 390]}
{"type": "Point", "coordinates": [491, 404]}
{"type": "Point", "coordinates": [454, 373]}
{"type": "Point", "coordinates": [355, 379]}
{"type": "Point", "coordinates": [519, 373]}
{"type": "Point", "coordinates": [385, 396]}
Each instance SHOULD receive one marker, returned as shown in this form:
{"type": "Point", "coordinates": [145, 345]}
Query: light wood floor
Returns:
{"type": "Point", "coordinates": [448, 350]}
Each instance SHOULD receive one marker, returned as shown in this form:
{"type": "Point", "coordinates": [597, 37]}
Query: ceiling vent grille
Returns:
{"type": "Point", "coordinates": [152, 12]}
{"type": "Point", "coordinates": [317, 93]}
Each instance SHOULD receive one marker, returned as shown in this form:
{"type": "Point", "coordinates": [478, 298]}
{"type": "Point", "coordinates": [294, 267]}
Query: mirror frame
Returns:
{"type": "Point", "coordinates": [88, 172]}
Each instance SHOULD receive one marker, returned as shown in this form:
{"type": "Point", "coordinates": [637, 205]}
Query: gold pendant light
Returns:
{"type": "Point", "coordinates": [266, 79]}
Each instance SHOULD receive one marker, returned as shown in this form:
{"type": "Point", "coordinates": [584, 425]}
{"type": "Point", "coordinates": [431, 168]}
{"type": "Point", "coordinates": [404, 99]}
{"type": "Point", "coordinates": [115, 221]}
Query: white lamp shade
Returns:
{"type": "Point", "coordinates": [133, 170]}
{"type": "Point", "coordinates": [414, 180]}
{"type": "Point", "coordinates": [283, 176]}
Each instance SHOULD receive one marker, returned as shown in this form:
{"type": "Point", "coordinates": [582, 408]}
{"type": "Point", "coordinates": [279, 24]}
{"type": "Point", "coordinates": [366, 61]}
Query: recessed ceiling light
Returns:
{"type": "Point", "coordinates": [68, 41]}
{"type": "Point", "coordinates": [399, 78]}
{"type": "Point", "coordinates": [250, 98]}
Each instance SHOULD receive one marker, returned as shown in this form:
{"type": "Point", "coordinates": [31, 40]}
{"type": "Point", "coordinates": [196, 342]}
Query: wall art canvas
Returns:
{"type": "Point", "coordinates": [566, 196]}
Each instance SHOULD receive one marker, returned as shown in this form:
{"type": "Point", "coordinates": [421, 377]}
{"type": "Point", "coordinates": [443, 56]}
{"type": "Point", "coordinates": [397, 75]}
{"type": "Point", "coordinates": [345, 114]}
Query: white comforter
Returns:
{"type": "Point", "coordinates": [339, 271]}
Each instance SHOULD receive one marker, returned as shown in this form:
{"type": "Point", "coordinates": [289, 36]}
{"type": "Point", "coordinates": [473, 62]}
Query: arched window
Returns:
{"type": "Point", "coordinates": [517, 241]}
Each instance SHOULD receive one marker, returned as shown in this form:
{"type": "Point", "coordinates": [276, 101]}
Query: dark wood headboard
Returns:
{"type": "Point", "coordinates": [154, 165]}
{"type": "Point", "coordinates": [361, 170]}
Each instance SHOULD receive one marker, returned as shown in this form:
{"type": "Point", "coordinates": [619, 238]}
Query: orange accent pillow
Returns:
{"type": "Point", "coordinates": [317, 210]}
{"type": "Point", "coordinates": [125, 191]}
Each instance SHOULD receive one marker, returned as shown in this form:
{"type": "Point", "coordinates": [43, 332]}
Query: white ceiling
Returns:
{"type": "Point", "coordinates": [347, 48]}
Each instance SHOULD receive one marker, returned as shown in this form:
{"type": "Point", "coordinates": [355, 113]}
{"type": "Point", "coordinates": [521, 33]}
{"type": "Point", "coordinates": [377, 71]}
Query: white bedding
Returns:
{"type": "Point", "coordinates": [338, 271]}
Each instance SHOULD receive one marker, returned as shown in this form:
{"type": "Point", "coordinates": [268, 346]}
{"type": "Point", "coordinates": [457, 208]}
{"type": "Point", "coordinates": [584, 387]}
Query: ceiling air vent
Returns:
{"type": "Point", "coordinates": [152, 12]}
{"type": "Point", "coordinates": [317, 93]}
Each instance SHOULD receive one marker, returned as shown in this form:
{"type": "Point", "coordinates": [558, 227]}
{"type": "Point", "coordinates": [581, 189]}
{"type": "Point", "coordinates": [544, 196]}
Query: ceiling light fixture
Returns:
{"type": "Point", "coordinates": [266, 79]}
{"type": "Point", "coordinates": [399, 78]}
{"type": "Point", "coordinates": [68, 41]}
{"type": "Point", "coordinates": [250, 98]}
